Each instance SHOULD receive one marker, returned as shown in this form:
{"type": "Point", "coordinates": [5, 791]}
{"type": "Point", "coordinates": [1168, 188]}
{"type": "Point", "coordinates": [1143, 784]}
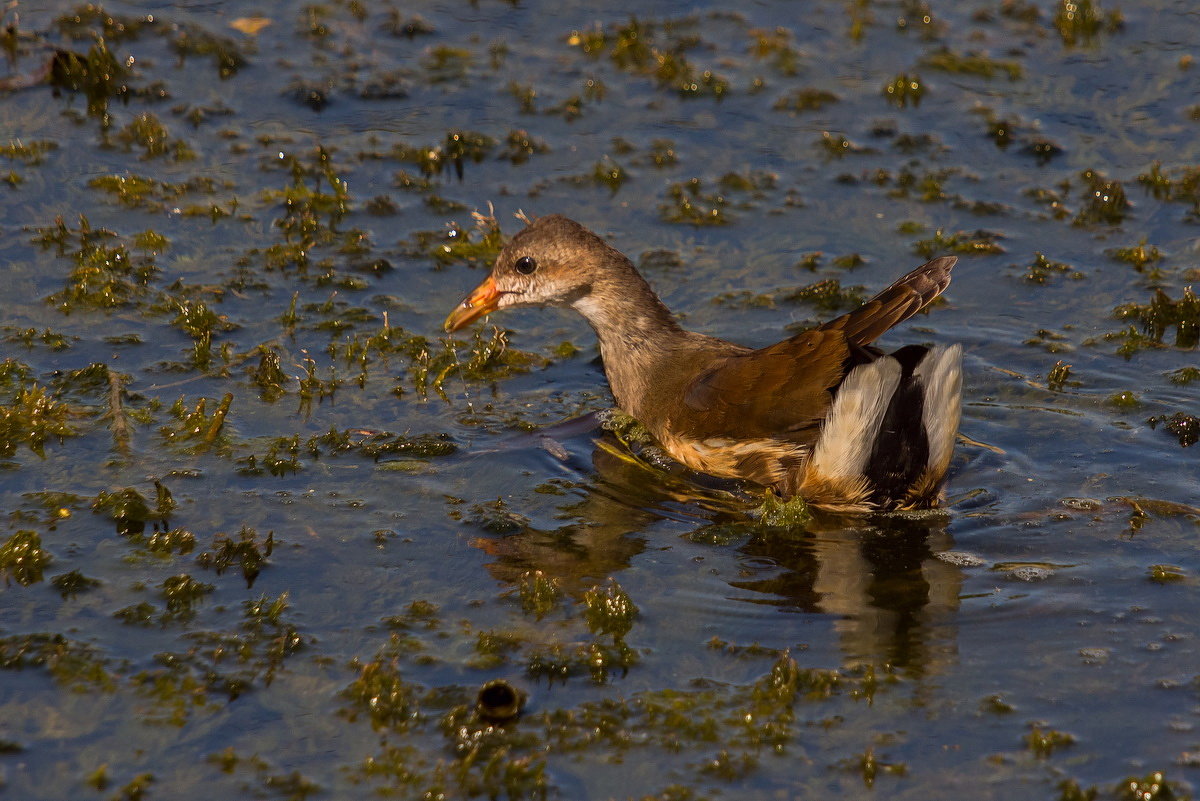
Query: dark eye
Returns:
{"type": "Point", "coordinates": [525, 265]}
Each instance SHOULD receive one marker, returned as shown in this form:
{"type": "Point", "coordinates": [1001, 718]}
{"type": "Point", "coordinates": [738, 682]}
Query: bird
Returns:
{"type": "Point", "coordinates": [824, 415]}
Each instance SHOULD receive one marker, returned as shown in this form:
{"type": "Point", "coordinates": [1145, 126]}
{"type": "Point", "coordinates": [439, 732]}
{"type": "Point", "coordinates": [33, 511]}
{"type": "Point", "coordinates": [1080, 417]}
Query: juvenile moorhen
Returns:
{"type": "Point", "coordinates": [823, 414]}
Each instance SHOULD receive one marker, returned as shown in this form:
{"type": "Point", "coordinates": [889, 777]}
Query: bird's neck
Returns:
{"type": "Point", "coordinates": [637, 334]}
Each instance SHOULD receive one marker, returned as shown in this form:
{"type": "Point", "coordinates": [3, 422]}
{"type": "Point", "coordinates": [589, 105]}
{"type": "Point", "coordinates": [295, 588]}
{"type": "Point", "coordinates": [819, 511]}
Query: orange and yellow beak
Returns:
{"type": "Point", "coordinates": [482, 300]}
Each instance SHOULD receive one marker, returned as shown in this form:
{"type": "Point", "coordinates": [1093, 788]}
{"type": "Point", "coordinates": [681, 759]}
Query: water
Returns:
{"type": "Point", "coordinates": [357, 541]}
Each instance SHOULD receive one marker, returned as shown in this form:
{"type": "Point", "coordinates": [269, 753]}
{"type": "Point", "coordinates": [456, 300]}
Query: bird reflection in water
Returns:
{"type": "Point", "coordinates": [879, 577]}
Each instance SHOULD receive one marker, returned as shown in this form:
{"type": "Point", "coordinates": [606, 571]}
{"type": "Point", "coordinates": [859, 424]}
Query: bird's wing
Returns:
{"type": "Point", "coordinates": [897, 303]}
{"type": "Point", "coordinates": [784, 391]}
{"type": "Point", "coordinates": [779, 392]}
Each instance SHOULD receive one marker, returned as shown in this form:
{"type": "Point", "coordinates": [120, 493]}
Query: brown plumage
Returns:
{"type": "Point", "coordinates": [822, 414]}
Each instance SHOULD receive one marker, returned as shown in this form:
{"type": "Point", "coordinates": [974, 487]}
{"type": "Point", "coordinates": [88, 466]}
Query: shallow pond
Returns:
{"type": "Point", "coordinates": [268, 533]}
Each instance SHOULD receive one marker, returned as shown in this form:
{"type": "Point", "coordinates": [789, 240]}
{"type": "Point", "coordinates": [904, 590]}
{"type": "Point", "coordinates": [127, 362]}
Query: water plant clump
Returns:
{"type": "Point", "coordinates": [476, 247]}
{"type": "Point", "coordinates": [799, 101]}
{"type": "Point", "coordinates": [980, 242]}
{"type": "Point", "coordinates": [458, 148]}
{"type": "Point", "coordinates": [97, 74]}
{"type": "Point", "coordinates": [904, 90]}
{"type": "Point", "coordinates": [827, 295]}
{"type": "Point", "coordinates": [687, 203]}
{"type": "Point", "coordinates": [83, 21]}
{"type": "Point", "coordinates": [1103, 200]}
{"type": "Point", "coordinates": [246, 553]}
{"type": "Point", "coordinates": [1080, 21]}
{"type": "Point", "coordinates": [947, 60]}
{"type": "Point", "coordinates": [147, 132]}
{"type": "Point", "coordinates": [22, 557]}
{"type": "Point", "coordinates": [1163, 313]}
{"type": "Point", "coordinates": [1185, 427]}
{"type": "Point", "coordinates": [131, 511]}
{"type": "Point", "coordinates": [32, 415]}
{"type": "Point", "coordinates": [654, 50]}
{"type": "Point", "coordinates": [539, 593]}
{"type": "Point", "coordinates": [226, 54]}
{"type": "Point", "coordinates": [106, 273]}
{"type": "Point", "coordinates": [1040, 270]}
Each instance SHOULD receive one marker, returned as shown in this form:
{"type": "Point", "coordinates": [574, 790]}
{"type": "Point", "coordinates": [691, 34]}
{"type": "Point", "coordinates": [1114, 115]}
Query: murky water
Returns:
{"type": "Point", "coordinates": [267, 534]}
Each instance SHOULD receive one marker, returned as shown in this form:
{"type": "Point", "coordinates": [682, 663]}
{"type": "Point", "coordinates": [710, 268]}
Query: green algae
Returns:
{"type": "Point", "coordinates": [73, 583]}
{"type": "Point", "coordinates": [74, 665]}
{"type": "Point", "coordinates": [982, 66]}
{"type": "Point", "coordinates": [968, 243]}
{"type": "Point", "coordinates": [1045, 741]}
{"type": "Point", "coordinates": [147, 132]}
{"type": "Point", "coordinates": [654, 50]}
{"type": "Point", "coordinates": [245, 553]}
{"type": "Point", "coordinates": [1041, 269]}
{"type": "Point", "coordinates": [1162, 314]}
{"type": "Point", "coordinates": [1185, 427]}
{"type": "Point", "coordinates": [799, 101]}
{"type": "Point", "coordinates": [827, 295]}
{"type": "Point", "coordinates": [33, 416]}
{"type": "Point", "coordinates": [97, 74]}
{"type": "Point", "coordinates": [1184, 375]}
{"type": "Point", "coordinates": [23, 559]}
{"type": "Point", "coordinates": [226, 55]}
{"type": "Point", "coordinates": [1059, 376]}
{"type": "Point", "coordinates": [1103, 201]}
{"type": "Point", "coordinates": [539, 593]}
{"type": "Point", "coordinates": [131, 511]}
{"type": "Point", "coordinates": [783, 513]}
{"type": "Point", "coordinates": [904, 90]}
{"type": "Point", "coordinates": [688, 204]}
{"type": "Point", "coordinates": [1081, 21]}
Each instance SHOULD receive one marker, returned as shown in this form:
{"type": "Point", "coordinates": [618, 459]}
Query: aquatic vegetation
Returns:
{"type": "Point", "coordinates": [1041, 269]}
{"type": "Point", "coordinates": [1059, 376]}
{"type": "Point", "coordinates": [1186, 427]}
{"type": "Point", "coordinates": [776, 48]}
{"type": "Point", "coordinates": [798, 101]}
{"type": "Point", "coordinates": [1184, 375]}
{"type": "Point", "coordinates": [72, 583]}
{"type": "Point", "coordinates": [790, 513]}
{"type": "Point", "coordinates": [72, 664]}
{"type": "Point", "coordinates": [1103, 200]}
{"type": "Point", "coordinates": [146, 131]}
{"type": "Point", "coordinates": [946, 60]}
{"type": "Point", "coordinates": [106, 273]}
{"type": "Point", "coordinates": [962, 242]}
{"type": "Point", "coordinates": [226, 54]}
{"type": "Point", "coordinates": [131, 511]}
{"type": "Point", "coordinates": [22, 558]}
{"type": "Point", "coordinates": [539, 593]}
{"type": "Point", "coordinates": [827, 295]}
{"type": "Point", "coordinates": [1140, 257]}
{"type": "Point", "coordinates": [1124, 400]}
{"type": "Point", "coordinates": [1045, 741]}
{"type": "Point", "coordinates": [459, 245]}
{"type": "Point", "coordinates": [654, 50]}
{"type": "Point", "coordinates": [245, 553]}
{"type": "Point", "coordinates": [1080, 21]}
{"type": "Point", "coordinates": [1162, 314]}
{"type": "Point", "coordinates": [98, 75]}
{"type": "Point", "coordinates": [31, 416]}
{"type": "Point", "coordinates": [905, 89]}
{"type": "Point", "coordinates": [455, 151]}
{"type": "Point", "coordinates": [31, 153]}
{"type": "Point", "coordinates": [686, 203]}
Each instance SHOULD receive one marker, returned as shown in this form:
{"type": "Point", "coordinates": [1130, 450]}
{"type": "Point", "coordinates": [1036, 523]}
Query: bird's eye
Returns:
{"type": "Point", "coordinates": [525, 265]}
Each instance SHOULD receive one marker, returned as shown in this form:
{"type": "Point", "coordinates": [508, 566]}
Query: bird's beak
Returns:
{"type": "Point", "coordinates": [482, 300]}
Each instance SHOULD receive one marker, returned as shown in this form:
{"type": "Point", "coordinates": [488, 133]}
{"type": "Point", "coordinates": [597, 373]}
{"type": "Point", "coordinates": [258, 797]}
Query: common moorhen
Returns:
{"type": "Point", "coordinates": [823, 414]}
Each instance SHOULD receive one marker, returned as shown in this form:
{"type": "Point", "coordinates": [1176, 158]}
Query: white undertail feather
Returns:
{"type": "Point", "coordinates": [941, 374]}
{"type": "Point", "coordinates": [854, 419]}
